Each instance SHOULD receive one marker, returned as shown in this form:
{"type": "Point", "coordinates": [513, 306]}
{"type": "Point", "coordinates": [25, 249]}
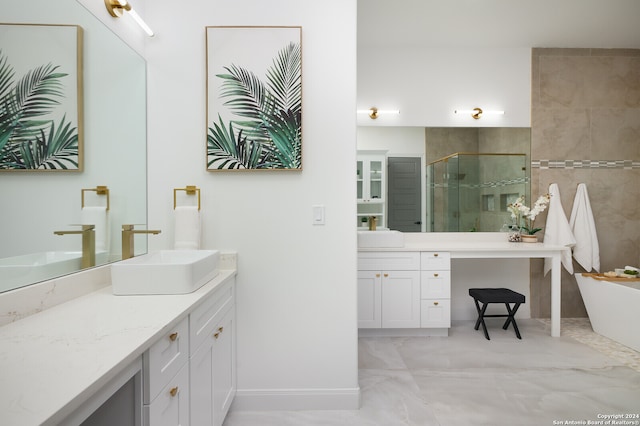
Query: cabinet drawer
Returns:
{"type": "Point", "coordinates": [389, 261]}
{"type": "Point", "coordinates": [435, 313]}
{"type": "Point", "coordinates": [164, 359]}
{"type": "Point", "coordinates": [171, 407]}
{"type": "Point", "coordinates": [433, 260]}
{"type": "Point", "coordinates": [435, 284]}
{"type": "Point", "coordinates": [204, 318]}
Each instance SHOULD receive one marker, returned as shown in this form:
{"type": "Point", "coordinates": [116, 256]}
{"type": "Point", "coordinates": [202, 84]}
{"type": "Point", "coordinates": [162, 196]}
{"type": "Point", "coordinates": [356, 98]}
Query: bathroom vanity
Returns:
{"type": "Point", "coordinates": [147, 360]}
{"type": "Point", "coordinates": [405, 287]}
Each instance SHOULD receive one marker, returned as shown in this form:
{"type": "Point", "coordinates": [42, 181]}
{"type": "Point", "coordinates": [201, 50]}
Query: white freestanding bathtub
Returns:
{"type": "Point", "coordinates": [613, 308]}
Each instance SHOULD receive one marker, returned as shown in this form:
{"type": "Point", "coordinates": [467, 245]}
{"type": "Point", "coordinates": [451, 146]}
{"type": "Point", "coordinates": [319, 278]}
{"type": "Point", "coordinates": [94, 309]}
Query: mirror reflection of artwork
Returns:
{"type": "Point", "coordinates": [254, 98]}
{"type": "Point", "coordinates": [40, 98]}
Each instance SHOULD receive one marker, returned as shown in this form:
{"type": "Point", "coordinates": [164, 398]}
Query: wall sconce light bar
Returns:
{"type": "Point", "coordinates": [375, 112]}
{"type": "Point", "coordinates": [116, 9]}
{"type": "Point", "coordinates": [476, 113]}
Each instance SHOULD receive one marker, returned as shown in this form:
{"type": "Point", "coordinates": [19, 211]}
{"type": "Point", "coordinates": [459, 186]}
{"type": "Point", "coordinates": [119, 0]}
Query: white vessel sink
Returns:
{"type": "Point", "coordinates": [382, 239]}
{"type": "Point", "coordinates": [165, 272]}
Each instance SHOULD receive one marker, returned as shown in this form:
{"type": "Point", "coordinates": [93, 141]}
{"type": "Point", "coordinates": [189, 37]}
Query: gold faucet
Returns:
{"type": "Point", "coordinates": [88, 244]}
{"type": "Point", "coordinates": [127, 239]}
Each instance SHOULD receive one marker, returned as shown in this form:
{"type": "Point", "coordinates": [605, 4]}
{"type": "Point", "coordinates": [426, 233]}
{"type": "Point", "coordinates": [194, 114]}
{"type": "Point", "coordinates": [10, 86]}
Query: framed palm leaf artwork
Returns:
{"type": "Point", "coordinates": [254, 98]}
{"type": "Point", "coordinates": [40, 97]}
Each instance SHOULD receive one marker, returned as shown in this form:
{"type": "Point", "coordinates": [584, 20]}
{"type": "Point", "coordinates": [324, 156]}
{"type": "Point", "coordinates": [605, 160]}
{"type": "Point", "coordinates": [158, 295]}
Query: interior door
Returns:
{"type": "Point", "coordinates": [404, 194]}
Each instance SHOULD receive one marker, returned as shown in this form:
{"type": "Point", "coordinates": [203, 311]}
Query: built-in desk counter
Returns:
{"type": "Point", "coordinates": [481, 245]}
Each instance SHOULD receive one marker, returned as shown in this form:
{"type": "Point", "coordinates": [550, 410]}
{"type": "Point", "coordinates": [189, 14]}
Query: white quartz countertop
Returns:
{"type": "Point", "coordinates": [53, 361]}
{"type": "Point", "coordinates": [471, 245]}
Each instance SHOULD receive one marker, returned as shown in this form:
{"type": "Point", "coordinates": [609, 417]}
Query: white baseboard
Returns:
{"type": "Point", "coordinates": [296, 399]}
{"type": "Point", "coordinates": [403, 332]}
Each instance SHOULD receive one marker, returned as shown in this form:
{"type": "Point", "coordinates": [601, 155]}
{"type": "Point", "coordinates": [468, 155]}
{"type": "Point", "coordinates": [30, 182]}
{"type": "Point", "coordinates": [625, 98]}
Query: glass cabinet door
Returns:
{"type": "Point", "coordinates": [370, 187]}
{"type": "Point", "coordinates": [375, 179]}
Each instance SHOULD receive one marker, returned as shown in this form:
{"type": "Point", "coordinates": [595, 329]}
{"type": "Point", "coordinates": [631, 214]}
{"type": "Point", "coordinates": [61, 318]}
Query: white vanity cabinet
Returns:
{"type": "Point", "coordinates": [189, 375]}
{"type": "Point", "coordinates": [388, 290]}
{"type": "Point", "coordinates": [213, 369]}
{"type": "Point", "coordinates": [403, 290]}
{"type": "Point", "coordinates": [126, 360]}
{"type": "Point", "coordinates": [435, 291]}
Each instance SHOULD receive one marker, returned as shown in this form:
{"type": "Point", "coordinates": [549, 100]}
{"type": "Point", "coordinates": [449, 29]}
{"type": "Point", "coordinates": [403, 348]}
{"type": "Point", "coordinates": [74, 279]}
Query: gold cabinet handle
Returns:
{"type": "Point", "coordinates": [377, 275]}
{"type": "Point", "coordinates": [173, 391]}
{"type": "Point", "coordinates": [386, 275]}
{"type": "Point", "coordinates": [173, 336]}
{"type": "Point", "coordinates": [435, 255]}
{"type": "Point", "coordinates": [435, 275]}
{"type": "Point", "coordinates": [435, 303]}
{"type": "Point", "coordinates": [217, 334]}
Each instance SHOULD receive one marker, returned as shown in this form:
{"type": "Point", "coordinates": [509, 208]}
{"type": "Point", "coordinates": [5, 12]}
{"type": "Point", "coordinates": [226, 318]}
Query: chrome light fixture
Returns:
{"type": "Point", "coordinates": [116, 8]}
{"type": "Point", "coordinates": [476, 113]}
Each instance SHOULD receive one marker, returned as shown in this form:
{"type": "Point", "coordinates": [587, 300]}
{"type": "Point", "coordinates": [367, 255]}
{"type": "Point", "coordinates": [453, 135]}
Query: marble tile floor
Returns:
{"type": "Point", "coordinates": [465, 380]}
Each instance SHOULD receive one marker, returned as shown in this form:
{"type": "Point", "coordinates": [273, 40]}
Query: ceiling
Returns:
{"type": "Point", "coordinates": [499, 23]}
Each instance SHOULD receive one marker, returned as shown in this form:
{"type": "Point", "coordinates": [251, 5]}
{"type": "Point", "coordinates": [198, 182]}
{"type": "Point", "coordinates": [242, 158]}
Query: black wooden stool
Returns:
{"type": "Point", "coordinates": [496, 295]}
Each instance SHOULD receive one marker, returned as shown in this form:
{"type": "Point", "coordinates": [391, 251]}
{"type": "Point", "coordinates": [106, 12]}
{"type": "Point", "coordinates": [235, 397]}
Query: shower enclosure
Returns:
{"type": "Point", "coordinates": [469, 192]}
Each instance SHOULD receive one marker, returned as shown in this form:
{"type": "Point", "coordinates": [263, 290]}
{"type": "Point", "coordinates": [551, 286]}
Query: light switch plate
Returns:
{"type": "Point", "coordinates": [318, 214]}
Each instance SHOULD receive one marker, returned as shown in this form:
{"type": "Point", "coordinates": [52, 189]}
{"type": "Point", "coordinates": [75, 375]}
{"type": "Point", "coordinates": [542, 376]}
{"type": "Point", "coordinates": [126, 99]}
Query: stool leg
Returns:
{"type": "Point", "coordinates": [481, 318]}
{"type": "Point", "coordinates": [511, 319]}
{"type": "Point", "coordinates": [506, 324]}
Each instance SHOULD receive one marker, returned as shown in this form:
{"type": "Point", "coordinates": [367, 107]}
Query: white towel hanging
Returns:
{"type": "Point", "coordinates": [187, 228]}
{"type": "Point", "coordinates": [587, 250]}
{"type": "Point", "coordinates": [557, 231]}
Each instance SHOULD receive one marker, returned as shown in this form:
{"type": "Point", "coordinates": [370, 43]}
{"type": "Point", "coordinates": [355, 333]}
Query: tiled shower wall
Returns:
{"type": "Point", "coordinates": [441, 142]}
{"type": "Point", "coordinates": [586, 129]}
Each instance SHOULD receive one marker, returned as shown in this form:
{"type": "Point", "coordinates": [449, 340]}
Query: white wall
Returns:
{"type": "Point", "coordinates": [427, 84]}
{"type": "Point", "coordinates": [297, 330]}
{"type": "Point", "coordinates": [395, 140]}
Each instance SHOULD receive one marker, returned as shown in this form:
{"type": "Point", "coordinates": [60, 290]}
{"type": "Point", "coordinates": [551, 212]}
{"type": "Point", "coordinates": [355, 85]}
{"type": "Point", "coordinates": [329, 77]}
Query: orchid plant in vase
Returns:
{"type": "Point", "coordinates": [520, 212]}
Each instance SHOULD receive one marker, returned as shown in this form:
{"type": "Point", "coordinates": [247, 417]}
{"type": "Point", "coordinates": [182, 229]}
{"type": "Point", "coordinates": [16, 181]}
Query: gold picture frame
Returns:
{"type": "Point", "coordinates": [254, 98]}
{"type": "Point", "coordinates": [41, 98]}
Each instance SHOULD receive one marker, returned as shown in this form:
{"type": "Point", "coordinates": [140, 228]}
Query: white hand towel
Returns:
{"type": "Point", "coordinates": [98, 216]}
{"type": "Point", "coordinates": [187, 228]}
{"type": "Point", "coordinates": [586, 251]}
{"type": "Point", "coordinates": [557, 231]}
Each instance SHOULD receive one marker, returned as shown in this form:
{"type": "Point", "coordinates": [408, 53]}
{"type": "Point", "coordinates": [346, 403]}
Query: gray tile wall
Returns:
{"type": "Point", "coordinates": [586, 129]}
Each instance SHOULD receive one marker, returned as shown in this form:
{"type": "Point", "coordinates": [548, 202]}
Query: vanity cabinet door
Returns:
{"type": "Point", "coordinates": [369, 299]}
{"type": "Point", "coordinates": [400, 299]}
{"type": "Point", "coordinates": [171, 406]}
{"type": "Point", "coordinates": [202, 385]}
{"type": "Point", "coordinates": [213, 374]}
{"type": "Point", "coordinates": [224, 368]}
